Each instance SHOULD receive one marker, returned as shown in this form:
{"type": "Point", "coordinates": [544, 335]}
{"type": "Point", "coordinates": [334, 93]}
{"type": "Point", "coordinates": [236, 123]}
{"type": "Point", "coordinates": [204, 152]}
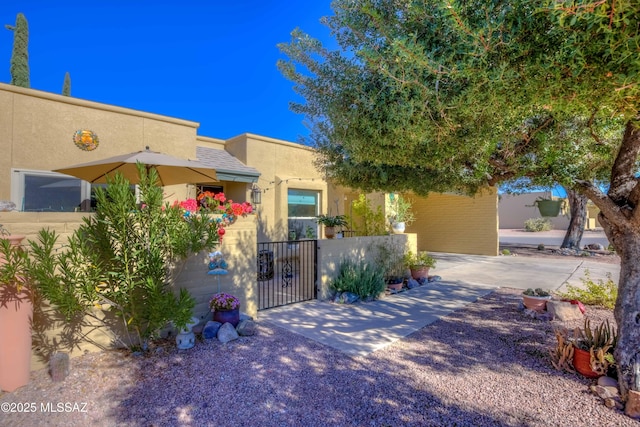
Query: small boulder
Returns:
{"type": "Point", "coordinates": [59, 366]}
{"type": "Point", "coordinates": [423, 281]}
{"type": "Point", "coordinates": [412, 283]}
{"type": "Point", "coordinates": [245, 316]}
{"type": "Point", "coordinates": [227, 333]}
{"type": "Point", "coordinates": [632, 407]}
{"type": "Point", "coordinates": [349, 298]}
{"type": "Point", "coordinates": [563, 311]}
{"type": "Point", "coordinates": [605, 381]}
{"type": "Point", "coordinates": [246, 328]}
{"type": "Point", "coordinates": [210, 330]}
{"type": "Point", "coordinates": [435, 278]}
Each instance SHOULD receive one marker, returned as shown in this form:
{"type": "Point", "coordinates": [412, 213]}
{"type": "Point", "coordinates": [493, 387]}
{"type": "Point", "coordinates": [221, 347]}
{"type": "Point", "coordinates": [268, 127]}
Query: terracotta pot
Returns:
{"type": "Point", "coordinates": [329, 232]}
{"type": "Point", "coordinates": [582, 363]}
{"type": "Point", "coordinates": [420, 273]}
{"type": "Point", "coordinates": [538, 304]}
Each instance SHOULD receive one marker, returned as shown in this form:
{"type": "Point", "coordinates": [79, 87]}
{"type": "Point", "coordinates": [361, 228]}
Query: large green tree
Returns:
{"type": "Point", "coordinates": [444, 94]}
{"type": "Point", "coordinates": [20, 55]}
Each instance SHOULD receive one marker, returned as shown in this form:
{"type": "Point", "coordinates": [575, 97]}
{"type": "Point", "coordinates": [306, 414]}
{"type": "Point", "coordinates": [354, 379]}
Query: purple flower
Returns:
{"type": "Point", "coordinates": [223, 301]}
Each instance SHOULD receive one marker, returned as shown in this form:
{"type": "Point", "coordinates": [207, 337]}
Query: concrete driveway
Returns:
{"type": "Point", "coordinates": [363, 328]}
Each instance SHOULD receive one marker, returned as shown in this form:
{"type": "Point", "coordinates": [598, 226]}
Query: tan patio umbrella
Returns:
{"type": "Point", "coordinates": [171, 170]}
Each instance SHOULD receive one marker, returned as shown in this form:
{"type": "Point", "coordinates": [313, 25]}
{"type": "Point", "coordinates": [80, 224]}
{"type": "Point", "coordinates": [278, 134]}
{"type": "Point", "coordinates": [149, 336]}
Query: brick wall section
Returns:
{"type": "Point", "coordinates": [457, 224]}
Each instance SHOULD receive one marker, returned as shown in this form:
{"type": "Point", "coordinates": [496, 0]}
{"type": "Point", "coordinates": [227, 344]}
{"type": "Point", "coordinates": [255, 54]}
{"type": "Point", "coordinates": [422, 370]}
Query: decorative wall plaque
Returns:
{"type": "Point", "coordinates": [86, 139]}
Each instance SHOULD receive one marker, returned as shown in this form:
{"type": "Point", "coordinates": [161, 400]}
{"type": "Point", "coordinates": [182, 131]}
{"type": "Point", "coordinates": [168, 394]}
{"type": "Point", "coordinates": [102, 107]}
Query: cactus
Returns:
{"type": "Point", "coordinates": [599, 342]}
{"type": "Point", "coordinates": [562, 355]}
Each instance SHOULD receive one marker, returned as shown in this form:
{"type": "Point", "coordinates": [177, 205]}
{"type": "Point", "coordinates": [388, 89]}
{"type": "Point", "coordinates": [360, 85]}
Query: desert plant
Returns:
{"type": "Point", "coordinates": [332, 221]}
{"type": "Point", "coordinates": [538, 292]}
{"type": "Point", "coordinates": [538, 224]}
{"type": "Point", "coordinates": [599, 342]}
{"type": "Point", "coordinates": [419, 260]}
{"type": "Point", "coordinates": [122, 258]}
{"type": "Point", "coordinates": [366, 220]}
{"type": "Point", "coordinates": [361, 278]}
{"type": "Point", "coordinates": [562, 354]}
{"type": "Point", "coordinates": [401, 210]}
{"type": "Point", "coordinates": [601, 293]}
{"type": "Point", "coordinates": [390, 257]}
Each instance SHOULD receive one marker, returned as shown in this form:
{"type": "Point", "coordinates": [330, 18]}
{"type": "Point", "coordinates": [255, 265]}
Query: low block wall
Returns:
{"type": "Point", "coordinates": [99, 330]}
{"type": "Point", "coordinates": [331, 252]}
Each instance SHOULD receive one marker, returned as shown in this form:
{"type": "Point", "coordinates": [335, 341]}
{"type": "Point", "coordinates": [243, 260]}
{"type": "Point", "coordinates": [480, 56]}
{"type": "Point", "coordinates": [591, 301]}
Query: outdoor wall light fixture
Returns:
{"type": "Point", "coordinates": [256, 195]}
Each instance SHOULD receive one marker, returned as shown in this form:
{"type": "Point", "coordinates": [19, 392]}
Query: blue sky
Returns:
{"type": "Point", "coordinates": [208, 61]}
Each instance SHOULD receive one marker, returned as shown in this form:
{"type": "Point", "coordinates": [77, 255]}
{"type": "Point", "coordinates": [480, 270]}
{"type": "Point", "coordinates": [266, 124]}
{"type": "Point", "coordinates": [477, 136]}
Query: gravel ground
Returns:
{"type": "Point", "coordinates": [485, 365]}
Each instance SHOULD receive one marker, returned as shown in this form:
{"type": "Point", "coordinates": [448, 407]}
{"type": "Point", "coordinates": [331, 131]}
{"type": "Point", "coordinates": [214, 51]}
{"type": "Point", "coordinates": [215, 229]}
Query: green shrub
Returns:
{"type": "Point", "coordinates": [601, 293]}
{"type": "Point", "coordinates": [538, 224]}
{"type": "Point", "coordinates": [366, 220]}
{"type": "Point", "coordinates": [506, 252]}
{"type": "Point", "coordinates": [360, 278]}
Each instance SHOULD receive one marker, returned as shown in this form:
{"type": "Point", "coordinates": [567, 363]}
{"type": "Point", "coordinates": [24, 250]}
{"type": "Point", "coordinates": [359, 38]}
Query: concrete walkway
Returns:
{"type": "Point", "coordinates": [363, 328]}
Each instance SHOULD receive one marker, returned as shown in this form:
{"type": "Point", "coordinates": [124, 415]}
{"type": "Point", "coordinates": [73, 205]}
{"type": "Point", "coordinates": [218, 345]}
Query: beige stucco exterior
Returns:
{"type": "Point", "coordinates": [36, 134]}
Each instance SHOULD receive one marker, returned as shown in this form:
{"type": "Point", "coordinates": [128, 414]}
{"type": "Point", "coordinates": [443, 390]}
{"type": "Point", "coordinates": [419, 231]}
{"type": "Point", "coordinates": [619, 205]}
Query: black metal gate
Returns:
{"type": "Point", "coordinates": [286, 272]}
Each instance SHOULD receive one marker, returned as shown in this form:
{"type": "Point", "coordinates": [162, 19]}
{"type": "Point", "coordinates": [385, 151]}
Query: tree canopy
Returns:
{"type": "Point", "coordinates": [437, 95]}
{"type": "Point", "coordinates": [20, 55]}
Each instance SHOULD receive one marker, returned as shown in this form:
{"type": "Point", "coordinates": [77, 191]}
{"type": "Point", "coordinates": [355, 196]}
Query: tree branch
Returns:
{"type": "Point", "coordinates": [615, 214]}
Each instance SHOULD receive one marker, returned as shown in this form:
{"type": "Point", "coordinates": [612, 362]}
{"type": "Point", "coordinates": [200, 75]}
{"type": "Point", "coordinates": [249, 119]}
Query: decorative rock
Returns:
{"type": "Point", "coordinates": [412, 283]}
{"type": "Point", "coordinates": [435, 278]}
{"type": "Point", "coordinates": [606, 392]}
{"type": "Point", "coordinates": [227, 333]}
{"type": "Point", "coordinates": [210, 330]}
{"type": "Point", "coordinates": [563, 311]}
{"type": "Point", "coordinates": [521, 306]}
{"type": "Point", "coordinates": [246, 328]}
{"type": "Point", "coordinates": [594, 247]}
{"type": "Point", "coordinates": [544, 316]}
{"type": "Point", "coordinates": [59, 366]}
{"type": "Point", "coordinates": [632, 408]}
{"type": "Point", "coordinates": [423, 281]}
{"type": "Point", "coordinates": [245, 316]}
{"type": "Point", "coordinates": [197, 329]}
{"type": "Point", "coordinates": [348, 298]}
{"type": "Point", "coordinates": [185, 340]}
{"type": "Point", "coordinates": [607, 382]}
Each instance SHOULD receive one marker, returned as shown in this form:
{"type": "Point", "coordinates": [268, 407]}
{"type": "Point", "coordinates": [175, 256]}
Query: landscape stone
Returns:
{"type": "Point", "coordinates": [245, 316]}
{"type": "Point", "coordinates": [607, 392]}
{"type": "Point", "coordinates": [246, 328]}
{"type": "Point", "coordinates": [594, 247]}
{"type": "Point", "coordinates": [210, 330]}
{"type": "Point", "coordinates": [435, 278]}
{"type": "Point", "coordinates": [227, 333]}
{"type": "Point", "coordinates": [423, 281]}
{"type": "Point", "coordinates": [349, 298]}
{"type": "Point", "coordinates": [632, 408]}
{"type": "Point", "coordinates": [412, 283]}
{"type": "Point", "coordinates": [59, 366]}
{"type": "Point", "coordinates": [197, 329]}
{"type": "Point", "coordinates": [605, 381]}
{"type": "Point", "coordinates": [563, 310]}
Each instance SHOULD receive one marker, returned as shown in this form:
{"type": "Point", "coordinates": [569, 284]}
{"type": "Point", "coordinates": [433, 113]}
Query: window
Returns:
{"type": "Point", "coordinates": [41, 191]}
{"type": "Point", "coordinates": [303, 207]}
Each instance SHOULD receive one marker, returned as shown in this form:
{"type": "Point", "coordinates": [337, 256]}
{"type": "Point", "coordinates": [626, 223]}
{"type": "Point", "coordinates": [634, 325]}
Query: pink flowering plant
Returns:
{"type": "Point", "coordinates": [223, 301]}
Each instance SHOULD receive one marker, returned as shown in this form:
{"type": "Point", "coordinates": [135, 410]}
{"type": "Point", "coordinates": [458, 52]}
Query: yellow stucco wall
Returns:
{"type": "Point", "coordinates": [457, 224]}
{"type": "Point", "coordinates": [37, 128]}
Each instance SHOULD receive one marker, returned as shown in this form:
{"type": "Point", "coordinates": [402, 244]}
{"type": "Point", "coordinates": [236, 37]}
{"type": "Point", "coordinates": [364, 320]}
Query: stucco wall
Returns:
{"type": "Point", "coordinates": [37, 128]}
{"type": "Point", "coordinates": [332, 252]}
{"type": "Point", "coordinates": [51, 332]}
{"type": "Point", "coordinates": [457, 224]}
{"type": "Point", "coordinates": [515, 209]}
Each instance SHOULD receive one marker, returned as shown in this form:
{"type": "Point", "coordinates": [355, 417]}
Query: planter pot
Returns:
{"type": "Point", "coordinates": [395, 284]}
{"type": "Point", "coordinates": [538, 304]}
{"type": "Point", "coordinates": [16, 312]}
{"type": "Point", "coordinates": [398, 227]}
{"type": "Point", "coordinates": [549, 207]}
{"type": "Point", "coordinates": [227, 316]}
{"type": "Point", "coordinates": [420, 273]}
{"type": "Point", "coordinates": [329, 232]}
{"type": "Point", "coordinates": [582, 363]}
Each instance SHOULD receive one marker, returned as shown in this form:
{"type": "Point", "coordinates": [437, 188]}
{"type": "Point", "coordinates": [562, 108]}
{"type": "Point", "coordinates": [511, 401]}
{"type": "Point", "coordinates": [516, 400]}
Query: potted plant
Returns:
{"type": "Point", "coordinates": [402, 216]}
{"type": "Point", "coordinates": [536, 299]}
{"type": "Point", "coordinates": [330, 223]}
{"type": "Point", "coordinates": [225, 308]}
{"type": "Point", "coordinates": [419, 263]}
{"type": "Point", "coordinates": [16, 312]}
{"type": "Point", "coordinates": [593, 349]}
{"type": "Point", "coordinates": [549, 207]}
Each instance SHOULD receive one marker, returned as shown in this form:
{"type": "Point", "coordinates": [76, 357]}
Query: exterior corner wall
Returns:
{"type": "Point", "coordinates": [457, 224]}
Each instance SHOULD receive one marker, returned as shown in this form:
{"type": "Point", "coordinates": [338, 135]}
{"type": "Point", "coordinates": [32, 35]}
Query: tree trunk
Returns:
{"type": "Point", "coordinates": [627, 314]}
{"type": "Point", "coordinates": [578, 212]}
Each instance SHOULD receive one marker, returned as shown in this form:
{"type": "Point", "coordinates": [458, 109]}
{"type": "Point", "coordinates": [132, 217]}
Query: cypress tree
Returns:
{"type": "Point", "coordinates": [66, 86]}
{"type": "Point", "coordinates": [20, 55]}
